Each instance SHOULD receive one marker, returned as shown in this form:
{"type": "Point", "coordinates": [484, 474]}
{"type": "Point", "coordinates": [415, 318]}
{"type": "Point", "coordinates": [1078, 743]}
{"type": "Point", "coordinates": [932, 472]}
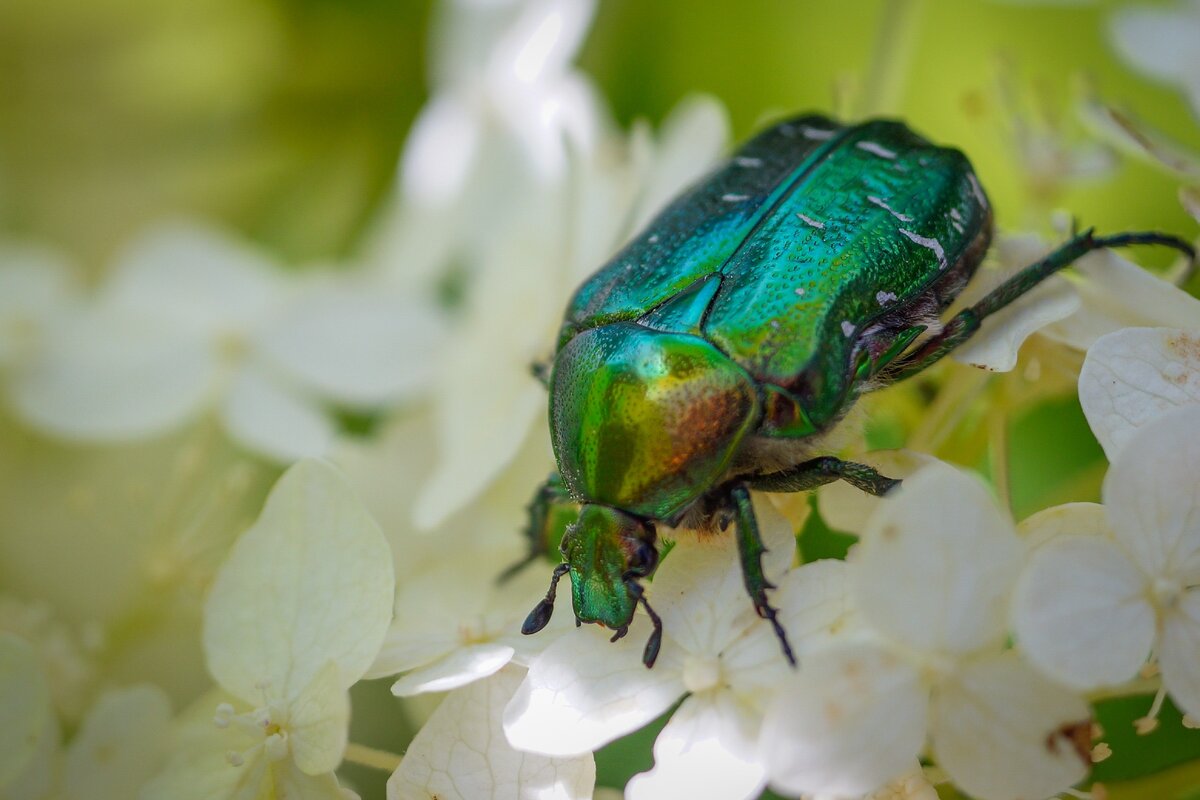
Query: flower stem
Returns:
{"type": "Point", "coordinates": [370, 757]}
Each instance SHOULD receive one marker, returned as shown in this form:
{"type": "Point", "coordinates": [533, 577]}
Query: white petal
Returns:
{"type": "Point", "coordinates": [585, 691]}
{"type": "Point", "coordinates": [459, 668]}
{"type": "Point", "coordinates": [1189, 198]}
{"type": "Point", "coordinates": [699, 591]}
{"type": "Point", "coordinates": [1134, 375]}
{"type": "Point", "coordinates": [310, 582]}
{"type": "Point", "coordinates": [461, 754]}
{"type": "Point", "coordinates": [120, 745]}
{"type": "Point", "coordinates": [440, 151]}
{"type": "Point", "coordinates": [847, 508]}
{"type": "Point", "coordinates": [1159, 41]}
{"type": "Point", "coordinates": [37, 289]}
{"type": "Point", "coordinates": [102, 377]}
{"type": "Point", "coordinates": [936, 563]}
{"type": "Point", "coordinates": [1151, 495]}
{"type": "Point", "coordinates": [706, 750]}
{"type": "Point", "coordinates": [1179, 652]}
{"type": "Point", "coordinates": [1119, 294]}
{"type": "Point", "coordinates": [317, 722]}
{"type": "Point", "coordinates": [1003, 732]}
{"type": "Point", "coordinates": [851, 719]}
{"type": "Point", "coordinates": [1080, 612]}
{"type": "Point", "coordinates": [283, 425]}
{"type": "Point", "coordinates": [24, 707]}
{"type": "Point", "coordinates": [194, 278]}
{"type": "Point", "coordinates": [288, 781]}
{"type": "Point", "coordinates": [1135, 137]}
{"type": "Point", "coordinates": [359, 346]}
{"type": "Point", "coordinates": [1089, 519]}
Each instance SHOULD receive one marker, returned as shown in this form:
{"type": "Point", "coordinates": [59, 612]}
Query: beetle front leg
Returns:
{"type": "Point", "coordinates": [820, 471]}
{"type": "Point", "coordinates": [544, 509]}
{"type": "Point", "coordinates": [751, 550]}
{"type": "Point", "coordinates": [964, 325]}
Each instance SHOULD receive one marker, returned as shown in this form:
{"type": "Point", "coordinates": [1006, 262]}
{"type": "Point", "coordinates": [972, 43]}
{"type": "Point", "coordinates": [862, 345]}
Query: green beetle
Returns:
{"type": "Point", "coordinates": [710, 356]}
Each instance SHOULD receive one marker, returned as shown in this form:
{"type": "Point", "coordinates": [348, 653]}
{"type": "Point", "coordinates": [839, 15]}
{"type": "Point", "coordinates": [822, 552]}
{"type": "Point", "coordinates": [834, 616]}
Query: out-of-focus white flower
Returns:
{"type": "Point", "coordinates": [1133, 376]}
{"type": "Point", "coordinates": [931, 576]}
{"type": "Point", "coordinates": [1093, 605]}
{"type": "Point", "coordinates": [38, 289]}
{"type": "Point", "coordinates": [461, 754]}
{"type": "Point", "coordinates": [65, 657]}
{"type": "Point", "coordinates": [296, 616]}
{"type": "Point", "coordinates": [1161, 42]}
{"type": "Point", "coordinates": [1105, 293]}
{"type": "Point", "coordinates": [189, 319]}
{"type": "Point", "coordinates": [118, 746]}
{"type": "Point", "coordinates": [552, 239]}
{"type": "Point", "coordinates": [584, 691]}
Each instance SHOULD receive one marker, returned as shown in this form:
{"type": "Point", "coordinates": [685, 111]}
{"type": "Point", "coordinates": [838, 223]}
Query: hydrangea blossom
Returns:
{"type": "Point", "coordinates": [1097, 600]}
{"type": "Point", "coordinates": [189, 318]}
{"type": "Point", "coordinates": [1161, 42]}
{"type": "Point", "coordinates": [295, 617]}
{"type": "Point", "coordinates": [932, 576]}
{"type": "Point", "coordinates": [584, 690]}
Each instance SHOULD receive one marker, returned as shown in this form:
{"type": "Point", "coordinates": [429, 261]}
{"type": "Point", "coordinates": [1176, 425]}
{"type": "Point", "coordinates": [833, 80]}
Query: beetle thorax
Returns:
{"type": "Point", "coordinates": [646, 420]}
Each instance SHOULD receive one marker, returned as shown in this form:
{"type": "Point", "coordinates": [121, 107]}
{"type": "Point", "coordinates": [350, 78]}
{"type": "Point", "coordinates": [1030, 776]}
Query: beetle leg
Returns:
{"type": "Point", "coordinates": [751, 550]}
{"type": "Point", "coordinates": [540, 370]}
{"type": "Point", "coordinates": [963, 325]}
{"type": "Point", "coordinates": [551, 496]}
{"type": "Point", "coordinates": [650, 654]}
{"type": "Point", "coordinates": [820, 471]}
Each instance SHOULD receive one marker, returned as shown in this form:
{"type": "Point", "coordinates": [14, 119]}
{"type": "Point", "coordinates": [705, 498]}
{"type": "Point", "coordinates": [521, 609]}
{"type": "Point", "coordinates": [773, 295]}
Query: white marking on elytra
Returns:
{"type": "Point", "coordinates": [733, 198]}
{"type": "Point", "coordinates": [847, 328]}
{"type": "Point", "coordinates": [883, 298]}
{"type": "Point", "coordinates": [958, 227]}
{"type": "Point", "coordinates": [775, 324]}
{"type": "Point", "coordinates": [877, 149]}
{"type": "Point", "coordinates": [747, 161]}
{"type": "Point", "coordinates": [810, 221]}
{"type": "Point", "coordinates": [816, 134]}
{"type": "Point", "coordinates": [883, 204]}
{"type": "Point", "coordinates": [787, 130]}
{"type": "Point", "coordinates": [653, 238]}
{"type": "Point", "coordinates": [932, 244]}
{"type": "Point", "coordinates": [954, 215]}
{"type": "Point", "coordinates": [799, 291]}
{"type": "Point", "coordinates": [976, 189]}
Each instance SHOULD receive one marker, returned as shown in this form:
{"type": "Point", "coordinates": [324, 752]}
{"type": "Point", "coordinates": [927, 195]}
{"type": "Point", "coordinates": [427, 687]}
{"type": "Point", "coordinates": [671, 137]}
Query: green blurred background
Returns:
{"type": "Point", "coordinates": [285, 118]}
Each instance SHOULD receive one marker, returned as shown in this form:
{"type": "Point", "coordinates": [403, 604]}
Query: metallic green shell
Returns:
{"type": "Point", "coordinates": [646, 420]}
{"type": "Point", "coordinates": [814, 235]}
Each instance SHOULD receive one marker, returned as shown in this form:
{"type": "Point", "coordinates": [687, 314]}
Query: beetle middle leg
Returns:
{"type": "Point", "coordinates": [751, 550]}
{"type": "Point", "coordinates": [963, 325]}
{"type": "Point", "coordinates": [819, 471]}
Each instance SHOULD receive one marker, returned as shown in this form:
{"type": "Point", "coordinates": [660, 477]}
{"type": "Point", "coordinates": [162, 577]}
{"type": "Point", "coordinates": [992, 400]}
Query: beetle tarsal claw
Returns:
{"type": "Point", "coordinates": [621, 631]}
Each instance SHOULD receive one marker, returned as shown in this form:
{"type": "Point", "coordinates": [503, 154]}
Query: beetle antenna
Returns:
{"type": "Point", "coordinates": [540, 616]}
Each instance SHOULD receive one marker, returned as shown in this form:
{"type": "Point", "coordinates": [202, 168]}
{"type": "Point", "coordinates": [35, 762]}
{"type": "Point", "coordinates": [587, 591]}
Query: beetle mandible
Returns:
{"type": "Point", "coordinates": [712, 354]}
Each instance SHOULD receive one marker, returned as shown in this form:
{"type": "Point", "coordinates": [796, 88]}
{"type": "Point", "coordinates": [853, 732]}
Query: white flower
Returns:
{"type": "Point", "coordinates": [461, 754]}
{"type": "Point", "coordinates": [189, 319]}
{"type": "Point", "coordinates": [29, 731]}
{"type": "Point", "coordinates": [38, 289]}
{"type": "Point", "coordinates": [931, 576]}
{"type": "Point", "coordinates": [296, 616]}
{"type": "Point", "coordinates": [1105, 293]}
{"type": "Point", "coordinates": [584, 691]}
{"type": "Point", "coordinates": [552, 239]}
{"type": "Point", "coordinates": [1092, 605]}
{"type": "Point", "coordinates": [1161, 42]}
{"type": "Point", "coordinates": [1135, 375]}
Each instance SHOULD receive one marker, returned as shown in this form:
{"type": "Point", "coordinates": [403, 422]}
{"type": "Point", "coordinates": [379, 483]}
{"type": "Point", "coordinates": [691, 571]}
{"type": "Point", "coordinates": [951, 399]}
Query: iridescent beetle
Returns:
{"type": "Point", "coordinates": [712, 354]}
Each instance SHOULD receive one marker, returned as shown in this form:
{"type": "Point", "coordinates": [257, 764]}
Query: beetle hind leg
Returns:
{"type": "Point", "coordinates": [966, 323]}
{"type": "Point", "coordinates": [751, 550]}
{"type": "Point", "coordinates": [551, 498]}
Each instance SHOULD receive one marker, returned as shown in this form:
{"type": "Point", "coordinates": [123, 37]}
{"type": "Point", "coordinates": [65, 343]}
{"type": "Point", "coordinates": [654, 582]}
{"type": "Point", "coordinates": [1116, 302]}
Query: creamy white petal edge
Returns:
{"type": "Point", "coordinates": [462, 754]}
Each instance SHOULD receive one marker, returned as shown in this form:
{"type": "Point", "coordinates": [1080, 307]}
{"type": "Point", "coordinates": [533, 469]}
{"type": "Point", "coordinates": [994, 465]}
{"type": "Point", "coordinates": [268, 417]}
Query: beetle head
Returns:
{"type": "Point", "coordinates": [606, 551]}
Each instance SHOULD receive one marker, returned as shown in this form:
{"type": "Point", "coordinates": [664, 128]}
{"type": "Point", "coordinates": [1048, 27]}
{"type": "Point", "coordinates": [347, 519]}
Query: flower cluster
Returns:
{"type": "Point", "coordinates": [323, 471]}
